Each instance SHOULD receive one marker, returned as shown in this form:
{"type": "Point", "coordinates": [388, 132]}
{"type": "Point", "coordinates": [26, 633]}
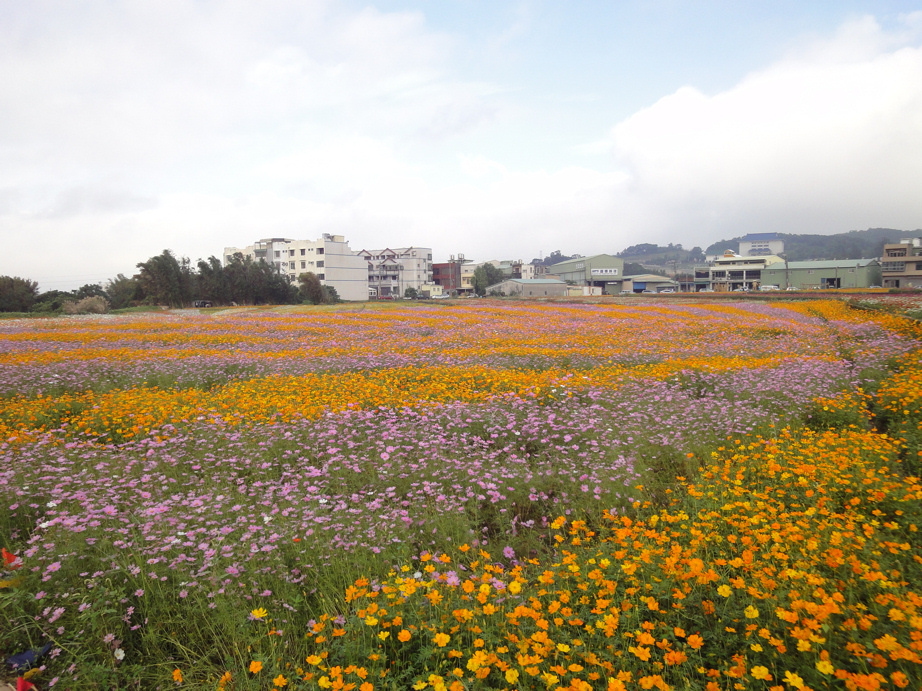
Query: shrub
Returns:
{"type": "Point", "coordinates": [93, 305]}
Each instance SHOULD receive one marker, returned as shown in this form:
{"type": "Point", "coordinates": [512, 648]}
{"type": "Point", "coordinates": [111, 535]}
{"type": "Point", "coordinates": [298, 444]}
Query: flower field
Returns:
{"type": "Point", "coordinates": [476, 496]}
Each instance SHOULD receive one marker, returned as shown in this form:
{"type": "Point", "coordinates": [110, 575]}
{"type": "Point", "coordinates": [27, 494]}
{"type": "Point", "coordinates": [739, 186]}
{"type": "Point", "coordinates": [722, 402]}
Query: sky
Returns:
{"type": "Point", "coordinates": [496, 130]}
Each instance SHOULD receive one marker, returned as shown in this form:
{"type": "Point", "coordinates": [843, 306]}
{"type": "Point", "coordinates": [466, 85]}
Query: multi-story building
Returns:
{"type": "Point", "coordinates": [761, 244]}
{"type": "Point", "coordinates": [733, 272]}
{"type": "Point", "coordinates": [448, 274]}
{"type": "Point", "coordinates": [901, 265]}
{"type": "Point", "coordinates": [391, 271]}
{"type": "Point", "coordinates": [329, 258]}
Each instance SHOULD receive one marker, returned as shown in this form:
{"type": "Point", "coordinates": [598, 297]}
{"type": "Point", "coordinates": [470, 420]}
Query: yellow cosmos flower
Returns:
{"type": "Point", "coordinates": [515, 588]}
{"type": "Point", "coordinates": [441, 639]}
{"type": "Point", "coordinates": [825, 666]}
{"type": "Point", "coordinates": [403, 636]}
{"type": "Point", "coordinates": [512, 676]}
{"type": "Point", "coordinates": [725, 590]}
{"type": "Point", "coordinates": [255, 666]}
{"type": "Point", "coordinates": [280, 681]}
{"type": "Point", "coordinates": [259, 613]}
{"type": "Point", "coordinates": [314, 660]}
{"type": "Point", "coordinates": [792, 679]}
{"type": "Point", "coordinates": [760, 672]}
{"type": "Point", "coordinates": [751, 612]}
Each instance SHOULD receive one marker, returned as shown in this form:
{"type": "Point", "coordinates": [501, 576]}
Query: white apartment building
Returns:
{"type": "Point", "coordinates": [330, 258]}
{"type": "Point", "coordinates": [391, 271]}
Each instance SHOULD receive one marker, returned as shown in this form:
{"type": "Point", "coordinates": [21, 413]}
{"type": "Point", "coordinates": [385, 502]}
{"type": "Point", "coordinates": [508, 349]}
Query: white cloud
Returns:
{"type": "Point", "coordinates": [826, 140]}
{"type": "Point", "coordinates": [126, 128]}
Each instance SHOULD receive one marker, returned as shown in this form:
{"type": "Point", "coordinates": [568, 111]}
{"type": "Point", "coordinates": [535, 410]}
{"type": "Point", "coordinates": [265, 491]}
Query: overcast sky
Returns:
{"type": "Point", "coordinates": [499, 130]}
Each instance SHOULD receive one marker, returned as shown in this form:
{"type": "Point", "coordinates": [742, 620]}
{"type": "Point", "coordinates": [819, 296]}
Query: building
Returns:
{"type": "Point", "coordinates": [641, 283]}
{"type": "Point", "coordinates": [391, 271]}
{"type": "Point", "coordinates": [901, 265]}
{"type": "Point", "coordinates": [515, 269]}
{"type": "Point", "coordinates": [593, 271]}
{"type": "Point", "coordinates": [761, 244]}
{"type": "Point", "coordinates": [530, 288]}
{"type": "Point", "coordinates": [822, 275]}
{"type": "Point", "coordinates": [448, 275]}
{"type": "Point", "coordinates": [330, 258]}
{"type": "Point", "coordinates": [733, 272]}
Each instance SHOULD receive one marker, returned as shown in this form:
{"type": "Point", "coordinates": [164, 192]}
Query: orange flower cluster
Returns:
{"type": "Point", "coordinates": [793, 562]}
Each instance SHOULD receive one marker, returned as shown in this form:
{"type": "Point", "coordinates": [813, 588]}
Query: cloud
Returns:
{"type": "Point", "coordinates": [825, 140]}
{"type": "Point", "coordinates": [127, 128]}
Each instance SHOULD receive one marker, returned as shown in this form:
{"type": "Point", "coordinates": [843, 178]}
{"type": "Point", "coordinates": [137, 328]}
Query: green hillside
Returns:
{"type": "Point", "coordinates": [855, 244]}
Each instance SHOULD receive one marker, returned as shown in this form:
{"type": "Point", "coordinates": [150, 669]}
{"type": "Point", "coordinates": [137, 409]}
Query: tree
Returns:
{"type": "Point", "coordinates": [90, 290]}
{"type": "Point", "coordinates": [52, 300]}
{"type": "Point", "coordinates": [122, 291]}
{"type": "Point", "coordinates": [311, 288]}
{"type": "Point", "coordinates": [212, 281]}
{"type": "Point", "coordinates": [330, 295]}
{"type": "Point", "coordinates": [17, 294]}
{"type": "Point", "coordinates": [411, 293]}
{"type": "Point", "coordinates": [485, 276]}
{"type": "Point", "coordinates": [634, 269]}
{"type": "Point", "coordinates": [165, 280]}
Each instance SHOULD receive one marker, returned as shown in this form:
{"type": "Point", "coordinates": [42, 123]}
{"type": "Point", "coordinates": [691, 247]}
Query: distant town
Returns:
{"type": "Point", "coordinates": [759, 263]}
{"type": "Point", "coordinates": [328, 270]}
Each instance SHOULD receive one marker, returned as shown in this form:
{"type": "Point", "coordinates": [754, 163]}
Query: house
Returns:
{"type": "Point", "coordinates": [450, 275]}
{"type": "Point", "coordinates": [391, 271]}
{"type": "Point", "coordinates": [901, 265]}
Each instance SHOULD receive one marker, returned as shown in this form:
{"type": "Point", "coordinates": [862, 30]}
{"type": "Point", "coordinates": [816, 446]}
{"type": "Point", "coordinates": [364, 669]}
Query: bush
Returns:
{"type": "Point", "coordinates": [93, 305]}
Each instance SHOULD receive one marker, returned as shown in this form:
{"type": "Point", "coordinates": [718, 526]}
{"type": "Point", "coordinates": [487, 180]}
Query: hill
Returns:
{"type": "Point", "coordinates": [855, 244]}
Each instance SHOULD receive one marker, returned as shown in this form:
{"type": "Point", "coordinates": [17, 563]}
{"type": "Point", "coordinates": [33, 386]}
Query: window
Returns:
{"type": "Point", "coordinates": [291, 265]}
{"type": "Point", "coordinates": [319, 264]}
{"type": "Point", "coordinates": [277, 254]}
{"type": "Point", "coordinates": [319, 250]}
{"type": "Point", "coordinates": [893, 266]}
{"type": "Point", "coordinates": [302, 251]}
{"type": "Point", "coordinates": [321, 276]}
{"type": "Point", "coordinates": [291, 253]}
{"type": "Point", "coordinates": [303, 264]}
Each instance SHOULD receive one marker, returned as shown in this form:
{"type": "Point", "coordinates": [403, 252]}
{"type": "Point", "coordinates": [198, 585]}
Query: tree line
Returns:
{"type": "Point", "coordinates": [167, 280]}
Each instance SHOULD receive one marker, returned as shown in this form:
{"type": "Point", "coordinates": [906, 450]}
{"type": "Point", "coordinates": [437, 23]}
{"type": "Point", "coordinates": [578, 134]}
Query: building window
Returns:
{"type": "Point", "coordinates": [303, 265]}
{"type": "Point", "coordinates": [319, 250]}
{"type": "Point", "coordinates": [319, 264]}
{"type": "Point", "coordinates": [302, 251]}
{"type": "Point", "coordinates": [321, 276]}
{"type": "Point", "coordinates": [291, 265]}
{"type": "Point", "coordinates": [277, 254]}
{"type": "Point", "coordinates": [893, 266]}
{"type": "Point", "coordinates": [291, 253]}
